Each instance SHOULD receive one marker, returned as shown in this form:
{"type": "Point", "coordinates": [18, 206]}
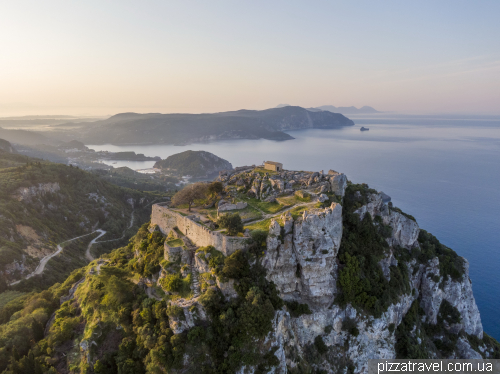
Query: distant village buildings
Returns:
{"type": "Point", "coordinates": [274, 166]}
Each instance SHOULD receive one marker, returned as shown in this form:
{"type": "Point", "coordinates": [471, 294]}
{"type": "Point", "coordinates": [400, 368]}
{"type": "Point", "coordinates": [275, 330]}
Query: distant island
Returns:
{"type": "Point", "coordinates": [348, 110]}
{"type": "Point", "coordinates": [342, 109]}
{"type": "Point", "coordinates": [364, 128]}
{"type": "Point", "coordinates": [182, 128]}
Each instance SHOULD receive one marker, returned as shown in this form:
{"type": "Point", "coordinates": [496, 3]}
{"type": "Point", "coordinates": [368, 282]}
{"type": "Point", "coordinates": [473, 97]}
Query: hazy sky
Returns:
{"type": "Point", "coordinates": [103, 57]}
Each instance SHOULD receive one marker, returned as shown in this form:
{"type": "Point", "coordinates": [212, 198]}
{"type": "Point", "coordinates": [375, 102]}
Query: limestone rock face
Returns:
{"type": "Point", "coordinates": [226, 207]}
{"type": "Point", "coordinates": [316, 240]}
{"type": "Point", "coordinates": [201, 264]}
{"type": "Point", "coordinates": [374, 340]}
{"type": "Point", "coordinates": [193, 312]}
{"type": "Point", "coordinates": [277, 184]}
{"type": "Point", "coordinates": [404, 230]}
{"type": "Point", "coordinates": [458, 294]}
{"type": "Point", "coordinates": [303, 263]}
{"type": "Point", "coordinates": [28, 193]}
{"type": "Point", "coordinates": [465, 351]}
{"type": "Point", "coordinates": [281, 263]}
{"type": "Point", "coordinates": [301, 260]}
{"type": "Point", "coordinates": [172, 254]}
{"type": "Point", "coordinates": [338, 183]}
{"type": "Point", "coordinates": [386, 263]}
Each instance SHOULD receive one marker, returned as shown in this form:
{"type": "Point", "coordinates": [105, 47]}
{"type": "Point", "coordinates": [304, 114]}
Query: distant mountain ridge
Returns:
{"type": "Point", "coordinates": [348, 109]}
{"type": "Point", "coordinates": [179, 128]}
{"type": "Point", "coordinates": [342, 109]}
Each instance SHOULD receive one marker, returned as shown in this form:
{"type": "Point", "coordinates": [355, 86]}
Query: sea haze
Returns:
{"type": "Point", "coordinates": [445, 171]}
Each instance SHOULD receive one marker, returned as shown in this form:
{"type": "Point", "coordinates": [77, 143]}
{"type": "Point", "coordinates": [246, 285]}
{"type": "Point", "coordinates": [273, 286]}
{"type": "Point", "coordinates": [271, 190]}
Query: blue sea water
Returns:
{"type": "Point", "coordinates": [445, 171]}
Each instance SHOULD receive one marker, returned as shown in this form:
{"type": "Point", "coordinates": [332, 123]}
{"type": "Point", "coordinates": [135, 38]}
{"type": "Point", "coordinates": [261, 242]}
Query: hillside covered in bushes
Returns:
{"type": "Point", "coordinates": [43, 204]}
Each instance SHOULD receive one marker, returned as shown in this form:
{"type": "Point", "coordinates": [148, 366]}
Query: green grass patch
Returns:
{"type": "Point", "coordinates": [297, 212]}
{"type": "Point", "coordinates": [260, 225]}
{"type": "Point", "coordinates": [176, 284]}
{"type": "Point", "coordinates": [263, 171]}
{"type": "Point", "coordinates": [175, 243]}
{"type": "Point", "coordinates": [265, 206]}
{"type": "Point", "coordinates": [249, 213]}
{"type": "Point", "coordinates": [293, 200]}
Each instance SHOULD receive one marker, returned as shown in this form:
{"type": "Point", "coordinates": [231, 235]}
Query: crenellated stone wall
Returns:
{"type": "Point", "coordinates": [202, 236]}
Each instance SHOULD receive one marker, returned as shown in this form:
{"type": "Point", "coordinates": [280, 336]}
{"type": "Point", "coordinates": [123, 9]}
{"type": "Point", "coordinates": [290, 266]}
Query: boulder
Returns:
{"type": "Point", "coordinates": [302, 194]}
{"type": "Point", "coordinates": [338, 184]}
{"type": "Point", "coordinates": [322, 198]}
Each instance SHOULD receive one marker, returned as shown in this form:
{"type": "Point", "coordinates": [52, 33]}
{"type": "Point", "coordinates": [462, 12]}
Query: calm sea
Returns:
{"type": "Point", "coordinates": [445, 171]}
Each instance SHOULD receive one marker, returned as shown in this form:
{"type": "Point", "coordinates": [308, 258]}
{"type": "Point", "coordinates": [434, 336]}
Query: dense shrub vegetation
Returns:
{"type": "Point", "coordinates": [128, 178]}
{"type": "Point", "coordinates": [150, 248]}
{"type": "Point", "coordinates": [451, 265]}
{"type": "Point", "coordinates": [22, 324]}
{"type": "Point", "coordinates": [418, 340]}
{"type": "Point", "coordinates": [232, 222]}
{"type": "Point", "coordinates": [363, 245]}
{"type": "Point", "coordinates": [237, 322]}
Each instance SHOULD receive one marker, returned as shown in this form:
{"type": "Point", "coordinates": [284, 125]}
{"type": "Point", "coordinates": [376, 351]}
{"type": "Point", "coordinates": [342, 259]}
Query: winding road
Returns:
{"type": "Point", "coordinates": [41, 266]}
{"type": "Point", "coordinates": [89, 256]}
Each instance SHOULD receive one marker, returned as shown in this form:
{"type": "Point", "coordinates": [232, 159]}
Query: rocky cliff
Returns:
{"type": "Point", "coordinates": [311, 244]}
{"type": "Point", "coordinates": [322, 285]}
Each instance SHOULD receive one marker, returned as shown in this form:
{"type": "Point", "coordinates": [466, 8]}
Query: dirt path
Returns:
{"type": "Point", "coordinates": [41, 266]}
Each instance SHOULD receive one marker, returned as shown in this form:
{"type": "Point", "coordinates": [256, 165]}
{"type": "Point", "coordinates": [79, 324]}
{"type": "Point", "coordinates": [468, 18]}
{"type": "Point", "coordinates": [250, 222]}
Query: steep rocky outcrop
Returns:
{"type": "Point", "coordinates": [404, 229]}
{"type": "Point", "coordinates": [268, 186]}
{"type": "Point", "coordinates": [304, 263]}
{"type": "Point", "coordinates": [296, 263]}
{"type": "Point", "coordinates": [458, 294]}
{"type": "Point", "coordinates": [327, 286]}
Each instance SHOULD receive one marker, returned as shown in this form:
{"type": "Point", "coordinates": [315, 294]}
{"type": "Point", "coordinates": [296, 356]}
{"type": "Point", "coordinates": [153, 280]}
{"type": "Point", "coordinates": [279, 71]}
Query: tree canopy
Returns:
{"type": "Point", "coordinates": [190, 194]}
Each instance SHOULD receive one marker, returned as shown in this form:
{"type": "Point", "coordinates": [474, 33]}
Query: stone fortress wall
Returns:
{"type": "Point", "coordinates": [201, 236]}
